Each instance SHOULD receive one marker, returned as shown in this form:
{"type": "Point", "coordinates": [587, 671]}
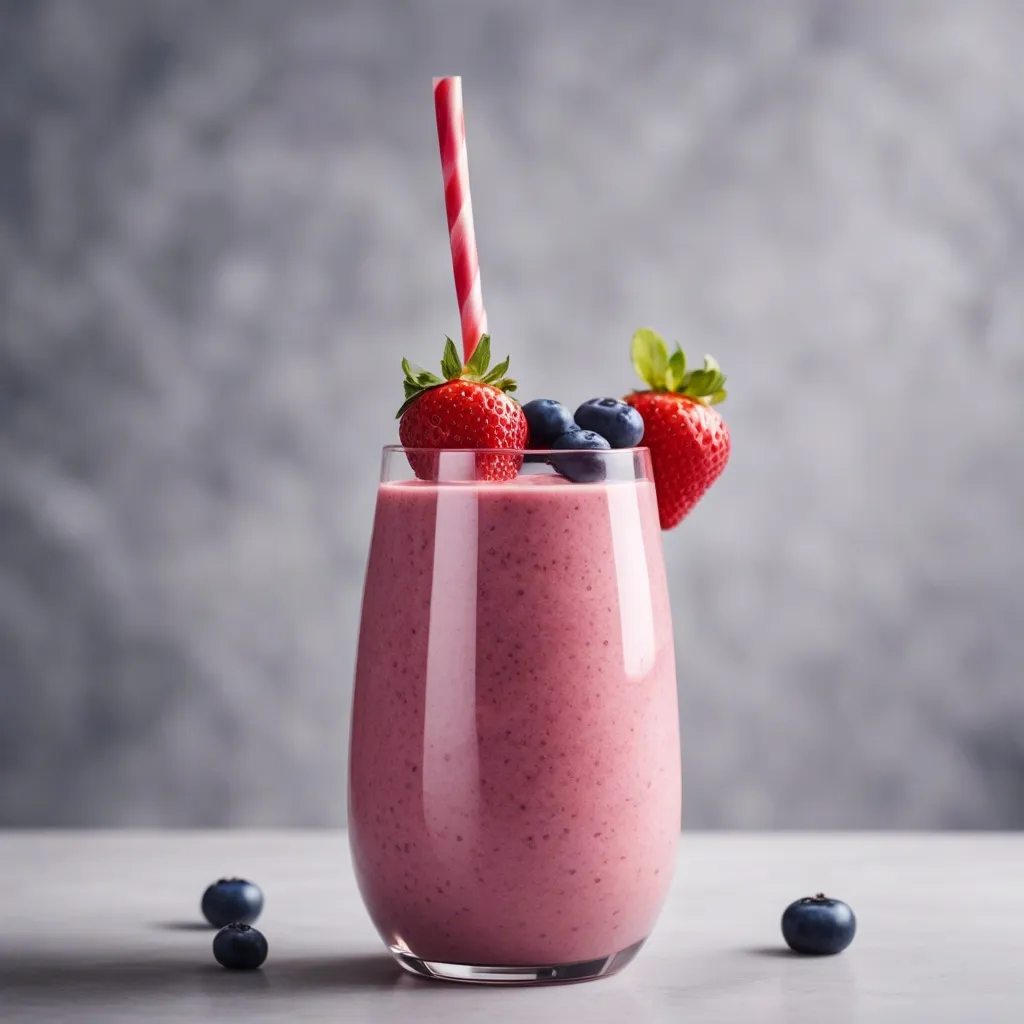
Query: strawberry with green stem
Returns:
{"type": "Point", "coordinates": [688, 439]}
{"type": "Point", "coordinates": [469, 407]}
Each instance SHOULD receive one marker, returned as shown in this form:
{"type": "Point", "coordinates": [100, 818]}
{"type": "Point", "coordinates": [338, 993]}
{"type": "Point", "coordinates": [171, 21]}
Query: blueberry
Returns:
{"type": "Point", "coordinates": [239, 947]}
{"type": "Point", "coordinates": [232, 900]}
{"type": "Point", "coordinates": [621, 424]}
{"type": "Point", "coordinates": [818, 926]}
{"type": "Point", "coordinates": [547, 420]}
{"type": "Point", "coordinates": [581, 463]}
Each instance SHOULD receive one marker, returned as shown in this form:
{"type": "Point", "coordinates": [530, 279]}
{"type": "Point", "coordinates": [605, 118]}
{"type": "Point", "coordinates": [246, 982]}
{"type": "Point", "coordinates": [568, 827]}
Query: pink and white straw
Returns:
{"type": "Point", "coordinates": [451, 134]}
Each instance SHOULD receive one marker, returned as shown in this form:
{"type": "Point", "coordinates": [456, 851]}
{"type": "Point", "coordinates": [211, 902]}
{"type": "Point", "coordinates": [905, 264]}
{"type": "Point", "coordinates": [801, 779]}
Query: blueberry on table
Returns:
{"type": "Point", "coordinates": [546, 420]}
{"type": "Point", "coordinates": [818, 926]}
{"type": "Point", "coordinates": [239, 947]}
{"type": "Point", "coordinates": [620, 424]}
{"type": "Point", "coordinates": [580, 461]}
{"type": "Point", "coordinates": [231, 900]}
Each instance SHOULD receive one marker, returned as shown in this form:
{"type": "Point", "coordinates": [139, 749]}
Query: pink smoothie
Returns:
{"type": "Point", "coordinates": [514, 786]}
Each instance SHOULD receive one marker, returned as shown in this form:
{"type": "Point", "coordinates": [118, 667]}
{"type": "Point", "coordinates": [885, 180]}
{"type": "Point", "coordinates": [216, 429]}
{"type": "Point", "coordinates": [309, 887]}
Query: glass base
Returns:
{"type": "Point", "coordinates": [546, 974]}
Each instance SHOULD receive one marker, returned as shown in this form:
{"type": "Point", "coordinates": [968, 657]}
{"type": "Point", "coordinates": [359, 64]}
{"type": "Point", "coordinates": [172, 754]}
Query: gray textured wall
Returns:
{"type": "Point", "coordinates": [221, 225]}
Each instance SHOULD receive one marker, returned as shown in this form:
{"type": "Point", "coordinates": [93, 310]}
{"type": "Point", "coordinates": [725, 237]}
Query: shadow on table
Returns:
{"type": "Point", "coordinates": [771, 952]}
{"type": "Point", "coordinates": [362, 971]}
{"type": "Point", "coordinates": [66, 978]}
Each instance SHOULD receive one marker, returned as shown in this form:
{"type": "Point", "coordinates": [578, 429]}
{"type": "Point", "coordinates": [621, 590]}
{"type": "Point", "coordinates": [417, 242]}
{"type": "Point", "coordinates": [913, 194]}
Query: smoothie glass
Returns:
{"type": "Point", "coordinates": [514, 784]}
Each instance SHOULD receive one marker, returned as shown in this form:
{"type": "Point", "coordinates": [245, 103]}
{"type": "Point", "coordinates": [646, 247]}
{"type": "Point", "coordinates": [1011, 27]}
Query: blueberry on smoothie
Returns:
{"type": "Point", "coordinates": [818, 926]}
{"type": "Point", "coordinates": [231, 900]}
{"type": "Point", "coordinates": [239, 947]}
{"type": "Point", "coordinates": [580, 463]}
{"type": "Point", "coordinates": [547, 420]}
{"type": "Point", "coordinates": [619, 423]}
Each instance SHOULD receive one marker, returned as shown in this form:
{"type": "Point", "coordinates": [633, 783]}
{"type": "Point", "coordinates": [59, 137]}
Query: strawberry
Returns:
{"type": "Point", "coordinates": [688, 440]}
{"type": "Point", "coordinates": [469, 408]}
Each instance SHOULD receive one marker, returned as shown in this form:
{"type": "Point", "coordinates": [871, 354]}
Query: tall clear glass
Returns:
{"type": "Point", "coordinates": [514, 783]}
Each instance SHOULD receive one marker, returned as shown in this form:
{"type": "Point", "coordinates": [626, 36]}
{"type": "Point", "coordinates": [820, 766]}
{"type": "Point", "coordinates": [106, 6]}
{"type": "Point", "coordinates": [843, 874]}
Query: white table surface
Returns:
{"type": "Point", "coordinates": [106, 927]}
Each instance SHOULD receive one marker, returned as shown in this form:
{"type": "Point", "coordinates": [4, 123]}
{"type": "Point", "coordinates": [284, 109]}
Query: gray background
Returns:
{"type": "Point", "coordinates": [221, 226]}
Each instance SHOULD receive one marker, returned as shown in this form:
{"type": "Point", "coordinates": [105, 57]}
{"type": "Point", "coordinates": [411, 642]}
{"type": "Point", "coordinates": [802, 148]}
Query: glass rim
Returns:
{"type": "Point", "coordinates": [396, 448]}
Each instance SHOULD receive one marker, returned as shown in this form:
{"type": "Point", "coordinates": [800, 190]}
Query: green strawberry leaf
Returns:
{"type": "Point", "coordinates": [650, 357]}
{"type": "Point", "coordinates": [676, 369]}
{"type": "Point", "coordinates": [416, 380]}
{"type": "Point", "coordinates": [704, 382]}
{"type": "Point", "coordinates": [697, 382]}
{"type": "Point", "coordinates": [409, 399]}
{"type": "Point", "coordinates": [451, 364]}
{"type": "Point", "coordinates": [662, 372]}
{"type": "Point", "coordinates": [497, 373]}
{"type": "Point", "coordinates": [481, 357]}
{"type": "Point", "coordinates": [417, 375]}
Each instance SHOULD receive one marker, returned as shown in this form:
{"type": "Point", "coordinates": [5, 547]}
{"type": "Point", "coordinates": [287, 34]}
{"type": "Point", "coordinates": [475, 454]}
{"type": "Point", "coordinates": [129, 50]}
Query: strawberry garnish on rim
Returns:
{"type": "Point", "coordinates": [469, 407]}
{"type": "Point", "coordinates": [688, 439]}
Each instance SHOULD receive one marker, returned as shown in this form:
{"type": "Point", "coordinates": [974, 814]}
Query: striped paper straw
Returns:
{"type": "Point", "coordinates": [451, 135]}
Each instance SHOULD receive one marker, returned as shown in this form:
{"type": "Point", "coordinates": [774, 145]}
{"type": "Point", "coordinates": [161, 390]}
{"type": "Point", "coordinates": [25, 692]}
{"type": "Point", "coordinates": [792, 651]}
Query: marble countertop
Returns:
{"type": "Point", "coordinates": [105, 927]}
